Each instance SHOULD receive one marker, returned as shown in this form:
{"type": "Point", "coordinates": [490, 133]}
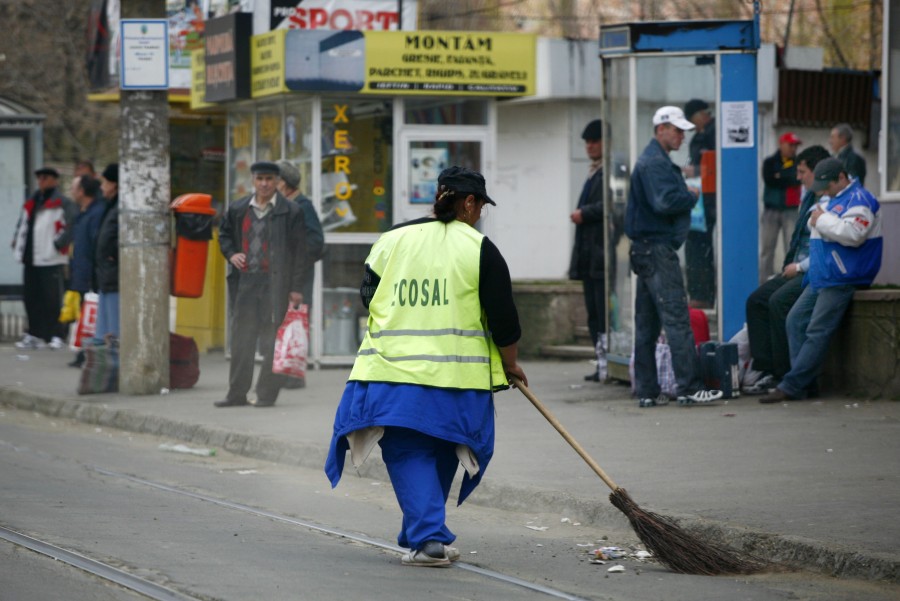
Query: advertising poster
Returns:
{"type": "Point", "coordinates": [185, 36]}
{"type": "Point", "coordinates": [414, 62]}
{"type": "Point", "coordinates": [375, 15]}
{"type": "Point", "coordinates": [425, 166]}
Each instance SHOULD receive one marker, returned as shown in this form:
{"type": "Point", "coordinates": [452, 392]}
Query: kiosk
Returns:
{"type": "Point", "coordinates": [652, 64]}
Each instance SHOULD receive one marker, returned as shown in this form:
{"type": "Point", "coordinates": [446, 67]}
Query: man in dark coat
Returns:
{"type": "Point", "coordinates": [87, 195]}
{"type": "Point", "coordinates": [106, 259]}
{"type": "Point", "coordinates": [657, 221]}
{"type": "Point", "coordinates": [700, 270]}
{"type": "Point", "coordinates": [781, 202]}
{"type": "Point", "coordinates": [840, 140]}
{"type": "Point", "coordinates": [263, 238]}
{"type": "Point", "coordinates": [587, 262]}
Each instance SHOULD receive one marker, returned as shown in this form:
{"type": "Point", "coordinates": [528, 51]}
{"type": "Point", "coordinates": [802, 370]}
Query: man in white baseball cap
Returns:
{"type": "Point", "coordinates": [657, 221]}
{"type": "Point", "coordinates": [673, 115]}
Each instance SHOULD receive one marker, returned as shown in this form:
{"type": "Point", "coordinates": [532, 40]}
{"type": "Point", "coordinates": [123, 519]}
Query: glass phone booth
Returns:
{"type": "Point", "coordinates": [646, 66]}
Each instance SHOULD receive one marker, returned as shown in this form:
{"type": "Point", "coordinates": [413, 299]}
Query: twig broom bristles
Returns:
{"type": "Point", "coordinates": [680, 551]}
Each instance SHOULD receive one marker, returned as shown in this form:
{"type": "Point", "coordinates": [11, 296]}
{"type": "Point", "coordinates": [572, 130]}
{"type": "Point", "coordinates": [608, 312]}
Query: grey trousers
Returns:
{"type": "Point", "coordinates": [774, 222]}
{"type": "Point", "coordinates": [251, 324]}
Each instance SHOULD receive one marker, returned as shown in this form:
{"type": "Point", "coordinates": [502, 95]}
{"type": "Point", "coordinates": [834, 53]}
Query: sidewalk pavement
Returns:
{"type": "Point", "coordinates": [813, 483]}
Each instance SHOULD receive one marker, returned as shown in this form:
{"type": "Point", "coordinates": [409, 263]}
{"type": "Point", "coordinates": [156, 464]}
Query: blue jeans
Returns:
{"type": "Point", "coordinates": [107, 315]}
{"type": "Point", "coordinates": [660, 302]}
{"type": "Point", "coordinates": [811, 323]}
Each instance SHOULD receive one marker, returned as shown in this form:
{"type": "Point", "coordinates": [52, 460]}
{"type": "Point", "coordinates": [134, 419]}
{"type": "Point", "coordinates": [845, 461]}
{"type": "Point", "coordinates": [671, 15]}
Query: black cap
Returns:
{"type": "Point", "coordinates": [111, 173]}
{"type": "Point", "coordinates": [593, 130]}
{"type": "Point", "coordinates": [826, 171]}
{"type": "Point", "coordinates": [694, 105]}
{"type": "Point", "coordinates": [461, 179]}
{"type": "Point", "coordinates": [47, 171]}
{"type": "Point", "coordinates": [265, 167]}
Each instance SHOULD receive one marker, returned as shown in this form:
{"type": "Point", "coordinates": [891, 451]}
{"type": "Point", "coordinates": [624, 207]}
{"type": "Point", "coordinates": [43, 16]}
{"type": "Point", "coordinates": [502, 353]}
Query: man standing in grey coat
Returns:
{"type": "Point", "coordinates": [263, 238]}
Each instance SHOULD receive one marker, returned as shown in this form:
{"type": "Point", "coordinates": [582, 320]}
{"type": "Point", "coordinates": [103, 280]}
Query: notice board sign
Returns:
{"type": "Point", "coordinates": [144, 62]}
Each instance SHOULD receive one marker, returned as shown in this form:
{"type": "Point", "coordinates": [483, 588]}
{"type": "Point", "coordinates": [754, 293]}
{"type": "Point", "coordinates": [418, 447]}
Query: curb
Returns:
{"type": "Point", "coordinates": [791, 551]}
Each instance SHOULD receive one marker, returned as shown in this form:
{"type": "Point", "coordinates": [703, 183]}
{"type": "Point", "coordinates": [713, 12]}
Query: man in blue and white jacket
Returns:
{"type": "Point", "coordinates": [845, 254]}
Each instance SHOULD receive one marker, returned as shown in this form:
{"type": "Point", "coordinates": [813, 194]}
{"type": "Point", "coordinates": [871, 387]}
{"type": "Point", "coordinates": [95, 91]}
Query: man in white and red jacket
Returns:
{"type": "Point", "coordinates": [845, 248]}
{"type": "Point", "coordinates": [41, 244]}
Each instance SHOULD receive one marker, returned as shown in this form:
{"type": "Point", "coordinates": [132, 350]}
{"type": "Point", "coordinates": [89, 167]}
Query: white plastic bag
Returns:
{"type": "Point", "coordinates": [291, 343]}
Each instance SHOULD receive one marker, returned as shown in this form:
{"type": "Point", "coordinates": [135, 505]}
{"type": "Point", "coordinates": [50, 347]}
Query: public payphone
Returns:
{"type": "Point", "coordinates": [648, 65]}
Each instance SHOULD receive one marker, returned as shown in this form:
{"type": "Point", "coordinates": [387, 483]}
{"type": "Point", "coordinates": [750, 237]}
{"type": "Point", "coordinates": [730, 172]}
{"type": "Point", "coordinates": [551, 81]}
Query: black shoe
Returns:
{"type": "Point", "coordinates": [776, 396]}
{"type": "Point", "coordinates": [294, 383]}
{"type": "Point", "coordinates": [231, 403]}
{"type": "Point", "coordinates": [261, 404]}
{"type": "Point", "coordinates": [78, 361]}
{"type": "Point", "coordinates": [594, 377]}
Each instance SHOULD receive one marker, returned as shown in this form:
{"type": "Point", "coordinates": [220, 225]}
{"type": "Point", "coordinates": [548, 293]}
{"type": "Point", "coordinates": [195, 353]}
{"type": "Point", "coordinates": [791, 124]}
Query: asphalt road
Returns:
{"type": "Point", "coordinates": [232, 528]}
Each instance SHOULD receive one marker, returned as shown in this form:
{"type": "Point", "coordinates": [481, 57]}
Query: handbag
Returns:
{"type": "Point", "coordinates": [292, 343]}
{"type": "Point", "coordinates": [87, 323]}
{"type": "Point", "coordinates": [100, 372]}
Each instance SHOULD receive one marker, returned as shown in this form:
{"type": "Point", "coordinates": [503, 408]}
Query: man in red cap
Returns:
{"type": "Point", "coordinates": [781, 198]}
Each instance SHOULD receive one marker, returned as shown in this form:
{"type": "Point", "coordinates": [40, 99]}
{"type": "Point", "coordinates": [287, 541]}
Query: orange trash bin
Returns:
{"type": "Point", "coordinates": [194, 215]}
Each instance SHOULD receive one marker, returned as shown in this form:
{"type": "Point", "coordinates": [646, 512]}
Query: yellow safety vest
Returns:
{"type": "Point", "coordinates": [426, 324]}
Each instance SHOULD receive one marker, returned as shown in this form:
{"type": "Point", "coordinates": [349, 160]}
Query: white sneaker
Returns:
{"type": "Point", "coordinates": [30, 342]}
{"type": "Point", "coordinates": [56, 343]}
{"type": "Point", "coordinates": [701, 396]}
{"type": "Point", "coordinates": [452, 553]}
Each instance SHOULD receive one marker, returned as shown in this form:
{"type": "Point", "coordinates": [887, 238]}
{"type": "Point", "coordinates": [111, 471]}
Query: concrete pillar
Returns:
{"type": "Point", "coordinates": [144, 230]}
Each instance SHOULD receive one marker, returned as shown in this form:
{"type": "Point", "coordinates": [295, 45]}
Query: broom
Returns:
{"type": "Point", "coordinates": [680, 551]}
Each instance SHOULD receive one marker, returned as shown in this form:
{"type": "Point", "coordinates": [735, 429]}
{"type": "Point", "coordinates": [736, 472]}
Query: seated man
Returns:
{"type": "Point", "coordinates": [845, 254]}
{"type": "Point", "coordinates": [768, 305]}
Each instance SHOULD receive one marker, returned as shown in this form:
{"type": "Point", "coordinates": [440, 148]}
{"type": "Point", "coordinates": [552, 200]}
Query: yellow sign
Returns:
{"type": "Point", "coordinates": [267, 64]}
{"type": "Point", "coordinates": [449, 62]}
{"type": "Point", "coordinates": [198, 79]}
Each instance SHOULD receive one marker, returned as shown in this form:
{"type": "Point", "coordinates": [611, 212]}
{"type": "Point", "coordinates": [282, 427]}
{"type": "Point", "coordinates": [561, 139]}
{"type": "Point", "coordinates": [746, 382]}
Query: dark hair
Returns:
{"type": "Point", "coordinates": [86, 164]}
{"type": "Point", "coordinates": [90, 185]}
{"type": "Point", "coordinates": [812, 155]}
{"type": "Point", "coordinates": [445, 204]}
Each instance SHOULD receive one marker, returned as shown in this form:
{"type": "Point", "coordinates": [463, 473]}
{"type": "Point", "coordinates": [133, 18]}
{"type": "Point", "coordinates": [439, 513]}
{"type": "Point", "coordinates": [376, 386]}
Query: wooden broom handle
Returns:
{"type": "Point", "coordinates": [565, 433]}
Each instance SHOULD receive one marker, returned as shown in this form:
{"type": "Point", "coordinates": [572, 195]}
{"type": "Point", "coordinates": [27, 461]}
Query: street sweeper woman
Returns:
{"type": "Point", "coordinates": [441, 339]}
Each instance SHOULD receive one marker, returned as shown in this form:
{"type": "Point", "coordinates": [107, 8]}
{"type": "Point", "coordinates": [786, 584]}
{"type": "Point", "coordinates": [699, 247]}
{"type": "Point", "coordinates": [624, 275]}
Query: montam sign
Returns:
{"type": "Point", "coordinates": [228, 57]}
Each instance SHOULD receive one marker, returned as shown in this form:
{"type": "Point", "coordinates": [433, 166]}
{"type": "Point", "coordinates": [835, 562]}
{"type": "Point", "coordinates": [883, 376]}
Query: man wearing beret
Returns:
{"type": "Point", "coordinates": [41, 244]}
{"type": "Point", "coordinates": [263, 238]}
{"type": "Point", "coordinates": [587, 263]}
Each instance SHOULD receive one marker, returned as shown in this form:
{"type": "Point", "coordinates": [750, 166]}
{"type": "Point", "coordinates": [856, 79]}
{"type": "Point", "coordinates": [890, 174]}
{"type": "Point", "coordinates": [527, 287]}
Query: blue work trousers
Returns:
{"type": "Point", "coordinates": [660, 302]}
{"type": "Point", "coordinates": [421, 468]}
{"type": "Point", "coordinates": [811, 323]}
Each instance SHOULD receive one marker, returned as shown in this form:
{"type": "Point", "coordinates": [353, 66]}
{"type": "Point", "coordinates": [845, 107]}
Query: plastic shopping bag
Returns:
{"type": "Point", "coordinates": [71, 307]}
{"type": "Point", "coordinates": [665, 371]}
{"type": "Point", "coordinates": [292, 342]}
{"type": "Point", "coordinates": [87, 323]}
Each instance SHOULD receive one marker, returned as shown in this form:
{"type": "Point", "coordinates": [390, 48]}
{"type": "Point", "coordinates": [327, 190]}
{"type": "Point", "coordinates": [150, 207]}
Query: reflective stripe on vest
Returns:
{"type": "Point", "coordinates": [426, 325]}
